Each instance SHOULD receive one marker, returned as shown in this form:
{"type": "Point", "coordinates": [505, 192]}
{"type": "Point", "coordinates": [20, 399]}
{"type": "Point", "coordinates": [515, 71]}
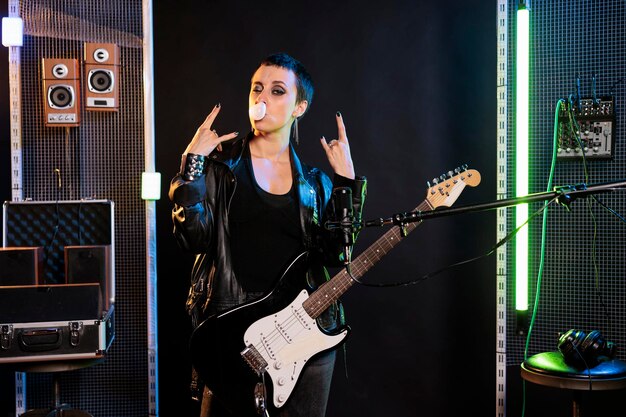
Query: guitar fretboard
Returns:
{"type": "Point", "coordinates": [329, 292]}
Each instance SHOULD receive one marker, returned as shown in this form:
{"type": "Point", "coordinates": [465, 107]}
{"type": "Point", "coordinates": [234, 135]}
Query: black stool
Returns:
{"type": "Point", "coordinates": [549, 369]}
{"type": "Point", "coordinates": [57, 409]}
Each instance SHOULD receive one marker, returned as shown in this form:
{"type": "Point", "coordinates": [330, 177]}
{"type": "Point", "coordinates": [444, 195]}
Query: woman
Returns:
{"type": "Point", "coordinates": [247, 207]}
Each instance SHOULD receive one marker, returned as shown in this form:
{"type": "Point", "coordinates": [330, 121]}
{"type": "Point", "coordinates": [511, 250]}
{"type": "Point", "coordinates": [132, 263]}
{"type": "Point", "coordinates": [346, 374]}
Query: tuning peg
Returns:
{"type": "Point", "coordinates": [428, 184]}
{"type": "Point", "coordinates": [457, 170]}
{"type": "Point", "coordinates": [442, 177]}
{"type": "Point", "coordinates": [450, 174]}
{"type": "Point", "coordinates": [435, 181]}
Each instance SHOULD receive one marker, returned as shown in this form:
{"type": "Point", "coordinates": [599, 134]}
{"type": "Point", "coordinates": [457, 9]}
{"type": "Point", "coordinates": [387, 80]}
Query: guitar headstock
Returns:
{"type": "Point", "coordinates": [446, 188]}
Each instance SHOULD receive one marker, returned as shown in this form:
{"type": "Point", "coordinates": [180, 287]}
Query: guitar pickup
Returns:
{"type": "Point", "coordinates": [254, 359]}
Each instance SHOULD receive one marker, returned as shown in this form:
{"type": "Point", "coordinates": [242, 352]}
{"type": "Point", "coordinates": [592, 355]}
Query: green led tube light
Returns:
{"type": "Point", "coordinates": [521, 162]}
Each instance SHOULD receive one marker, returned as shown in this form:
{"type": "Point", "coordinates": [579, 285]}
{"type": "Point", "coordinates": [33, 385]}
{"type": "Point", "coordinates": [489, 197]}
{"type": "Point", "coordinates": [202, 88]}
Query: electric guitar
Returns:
{"type": "Point", "coordinates": [277, 334]}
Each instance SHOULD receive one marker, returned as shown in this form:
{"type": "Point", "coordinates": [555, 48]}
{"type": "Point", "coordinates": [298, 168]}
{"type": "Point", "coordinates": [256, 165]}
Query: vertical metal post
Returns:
{"type": "Point", "coordinates": [501, 190]}
{"type": "Point", "coordinates": [15, 115]}
{"type": "Point", "coordinates": [20, 393]}
{"type": "Point", "coordinates": [151, 263]}
{"type": "Point", "coordinates": [15, 111]}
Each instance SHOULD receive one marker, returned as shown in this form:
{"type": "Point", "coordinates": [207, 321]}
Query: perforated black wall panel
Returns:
{"type": "Point", "coordinates": [102, 158]}
{"type": "Point", "coordinates": [584, 283]}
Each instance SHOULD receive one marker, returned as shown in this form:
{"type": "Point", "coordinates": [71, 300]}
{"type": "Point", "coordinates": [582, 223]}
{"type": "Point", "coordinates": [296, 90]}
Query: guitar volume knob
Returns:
{"type": "Point", "coordinates": [278, 365]}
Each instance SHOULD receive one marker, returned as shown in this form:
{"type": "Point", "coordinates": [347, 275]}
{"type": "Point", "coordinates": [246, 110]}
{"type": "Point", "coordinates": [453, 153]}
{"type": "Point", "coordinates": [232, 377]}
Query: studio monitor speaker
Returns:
{"type": "Point", "coordinates": [61, 92]}
{"type": "Point", "coordinates": [21, 266]}
{"type": "Point", "coordinates": [90, 264]}
{"type": "Point", "coordinates": [102, 62]}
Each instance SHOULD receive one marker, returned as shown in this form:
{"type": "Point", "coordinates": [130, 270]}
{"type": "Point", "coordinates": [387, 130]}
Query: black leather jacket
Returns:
{"type": "Point", "coordinates": [200, 217]}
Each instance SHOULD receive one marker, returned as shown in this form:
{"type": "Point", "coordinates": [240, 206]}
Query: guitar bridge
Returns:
{"type": "Point", "coordinates": [254, 359]}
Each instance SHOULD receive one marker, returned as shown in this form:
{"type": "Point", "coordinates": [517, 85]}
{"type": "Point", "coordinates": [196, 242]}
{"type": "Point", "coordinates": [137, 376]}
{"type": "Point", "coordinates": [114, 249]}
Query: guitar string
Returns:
{"type": "Point", "coordinates": [271, 338]}
{"type": "Point", "coordinates": [343, 285]}
{"type": "Point", "coordinates": [276, 335]}
{"type": "Point", "coordinates": [320, 306]}
{"type": "Point", "coordinates": [274, 338]}
{"type": "Point", "coordinates": [372, 255]}
{"type": "Point", "coordinates": [286, 325]}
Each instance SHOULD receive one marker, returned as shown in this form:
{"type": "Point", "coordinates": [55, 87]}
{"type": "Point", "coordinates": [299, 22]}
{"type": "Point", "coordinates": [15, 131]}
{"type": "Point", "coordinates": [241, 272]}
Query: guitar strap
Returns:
{"type": "Point", "coordinates": [195, 386]}
{"type": "Point", "coordinates": [260, 397]}
{"type": "Point", "coordinates": [207, 400]}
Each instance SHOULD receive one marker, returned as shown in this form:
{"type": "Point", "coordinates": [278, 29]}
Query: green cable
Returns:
{"type": "Point", "coordinates": [543, 230]}
{"type": "Point", "coordinates": [543, 245]}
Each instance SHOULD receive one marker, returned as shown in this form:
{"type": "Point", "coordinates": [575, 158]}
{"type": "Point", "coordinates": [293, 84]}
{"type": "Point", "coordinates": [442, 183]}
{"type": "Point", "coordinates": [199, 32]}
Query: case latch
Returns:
{"type": "Point", "coordinates": [76, 328]}
{"type": "Point", "coordinates": [6, 336]}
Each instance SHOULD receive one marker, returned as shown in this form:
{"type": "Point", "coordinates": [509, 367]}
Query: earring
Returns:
{"type": "Point", "coordinates": [296, 136]}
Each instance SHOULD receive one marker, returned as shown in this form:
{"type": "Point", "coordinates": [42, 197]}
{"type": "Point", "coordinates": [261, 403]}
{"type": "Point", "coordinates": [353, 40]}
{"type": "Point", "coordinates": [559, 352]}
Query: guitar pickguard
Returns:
{"type": "Point", "coordinates": [287, 340]}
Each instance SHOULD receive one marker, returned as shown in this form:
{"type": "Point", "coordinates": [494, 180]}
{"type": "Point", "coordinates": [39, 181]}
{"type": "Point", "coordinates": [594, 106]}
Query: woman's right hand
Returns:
{"type": "Point", "coordinates": [206, 139]}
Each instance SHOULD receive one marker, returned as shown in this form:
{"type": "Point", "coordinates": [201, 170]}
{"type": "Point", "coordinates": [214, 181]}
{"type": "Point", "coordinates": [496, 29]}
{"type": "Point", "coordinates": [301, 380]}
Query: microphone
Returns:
{"type": "Point", "coordinates": [344, 214]}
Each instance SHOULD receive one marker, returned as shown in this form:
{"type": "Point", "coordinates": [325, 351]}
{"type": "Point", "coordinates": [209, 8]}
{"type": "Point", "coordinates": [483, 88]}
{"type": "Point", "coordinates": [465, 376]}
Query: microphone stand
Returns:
{"type": "Point", "coordinates": [565, 195]}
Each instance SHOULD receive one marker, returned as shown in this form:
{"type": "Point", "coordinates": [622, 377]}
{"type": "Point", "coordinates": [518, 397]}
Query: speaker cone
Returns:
{"type": "Point", "coordinates": [60, 96]}
{"type": "Point", "coordinates": [101, 81]}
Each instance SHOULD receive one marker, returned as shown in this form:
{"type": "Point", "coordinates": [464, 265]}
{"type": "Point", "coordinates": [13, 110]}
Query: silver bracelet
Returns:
{"type": "Point", "coordinates": [193, 166]}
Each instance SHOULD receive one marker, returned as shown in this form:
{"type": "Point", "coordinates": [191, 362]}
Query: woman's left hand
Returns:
{"type": "Point", "coordinates": [338, 151]}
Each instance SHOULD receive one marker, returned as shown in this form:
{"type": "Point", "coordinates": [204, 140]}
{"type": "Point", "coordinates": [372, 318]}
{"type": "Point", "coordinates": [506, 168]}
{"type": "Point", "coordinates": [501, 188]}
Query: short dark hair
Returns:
{"type": "Point", "coordinates": [304, 83]}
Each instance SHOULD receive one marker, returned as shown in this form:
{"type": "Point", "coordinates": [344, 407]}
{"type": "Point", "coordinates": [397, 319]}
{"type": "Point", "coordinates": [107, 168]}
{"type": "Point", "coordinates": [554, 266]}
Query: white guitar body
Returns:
{"type": "Point", "coordinates": [287, 340]}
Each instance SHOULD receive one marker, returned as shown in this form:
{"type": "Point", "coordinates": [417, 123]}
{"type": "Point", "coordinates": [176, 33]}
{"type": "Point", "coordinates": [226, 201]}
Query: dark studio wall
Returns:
{"type": "Point", "coordinates": [415, 82]}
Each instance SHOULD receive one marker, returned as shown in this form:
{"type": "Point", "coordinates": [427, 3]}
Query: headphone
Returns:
{"type": "Point", "coordinates": [582, 350]}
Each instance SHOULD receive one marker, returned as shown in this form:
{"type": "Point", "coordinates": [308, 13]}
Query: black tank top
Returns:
{"type": "Point", "coordinates": [265, 232]}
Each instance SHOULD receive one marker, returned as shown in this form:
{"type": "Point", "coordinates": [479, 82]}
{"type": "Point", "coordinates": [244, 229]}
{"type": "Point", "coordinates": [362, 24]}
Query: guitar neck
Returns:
{"type": "Point", "coordinates": [330, 291]}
